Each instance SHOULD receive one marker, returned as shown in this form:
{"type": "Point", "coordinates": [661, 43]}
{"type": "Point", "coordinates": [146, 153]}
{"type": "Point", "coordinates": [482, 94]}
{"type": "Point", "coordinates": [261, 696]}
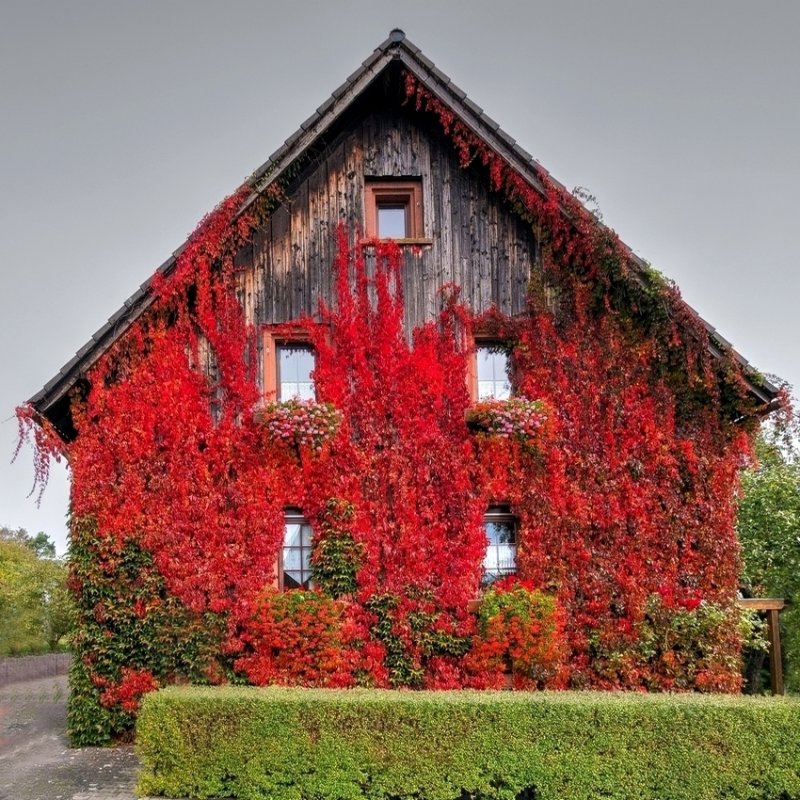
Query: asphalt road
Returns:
{"type": "Point", "coordinates": [35, 760]}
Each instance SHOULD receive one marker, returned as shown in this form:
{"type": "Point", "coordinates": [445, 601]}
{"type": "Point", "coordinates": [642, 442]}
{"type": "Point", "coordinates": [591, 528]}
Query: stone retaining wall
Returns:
{"type": "Point", "coordinates": [29, 668]}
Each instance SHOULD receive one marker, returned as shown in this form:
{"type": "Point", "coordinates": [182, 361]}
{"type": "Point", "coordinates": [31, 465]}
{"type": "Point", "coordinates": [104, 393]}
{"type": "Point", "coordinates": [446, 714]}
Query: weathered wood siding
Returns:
{"type": "Point", "coordinates": [476, 242]}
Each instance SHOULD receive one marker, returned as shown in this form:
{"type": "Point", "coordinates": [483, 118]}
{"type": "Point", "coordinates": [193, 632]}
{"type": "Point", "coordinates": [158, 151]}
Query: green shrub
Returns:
{"type": "Point", "coordinates": [519, 629]}
{"type": "Point", "coordinates": [299, 744]}
{"type": "Point", "coordinates": [691, 648]}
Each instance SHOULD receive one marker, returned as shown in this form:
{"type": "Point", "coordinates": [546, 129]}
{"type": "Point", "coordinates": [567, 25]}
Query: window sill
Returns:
{"type": "Point", "coordinates": [415, 242]}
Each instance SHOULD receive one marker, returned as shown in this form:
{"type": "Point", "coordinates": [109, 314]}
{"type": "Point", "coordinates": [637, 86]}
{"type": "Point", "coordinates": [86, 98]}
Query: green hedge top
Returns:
{"type": "Point", "coordinates": [307, 744]}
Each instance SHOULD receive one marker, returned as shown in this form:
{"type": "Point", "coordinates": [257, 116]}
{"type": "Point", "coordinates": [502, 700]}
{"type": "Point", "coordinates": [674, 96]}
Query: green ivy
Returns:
{"type": "Point", "coordinates": [336, 557]}
{"type": "Point", "coordinates": [399, 663]}
{"type": "Point", "coordinates": [168, 641]}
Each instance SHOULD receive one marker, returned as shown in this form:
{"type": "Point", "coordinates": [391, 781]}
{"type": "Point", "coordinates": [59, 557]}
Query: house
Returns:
{"type": "Point", "coordinates": [401, 363]}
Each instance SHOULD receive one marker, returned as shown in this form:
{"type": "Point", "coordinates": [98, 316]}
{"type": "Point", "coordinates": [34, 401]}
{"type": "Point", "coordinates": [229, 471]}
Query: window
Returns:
{"type": "Point", "coordinates": [492, 372]}
{"type": "Point", "coordinates": [393, 209]}
{"type": "Point", "coordinates": [295, 363]}
{"type": "Point", "coordinates": [501, 544]}
{"type": "Point", "coordinates": [288, 363]}
{"type": "Point", "coordinates": [296, 557]}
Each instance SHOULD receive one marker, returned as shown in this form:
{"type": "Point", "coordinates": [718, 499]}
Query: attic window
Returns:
{"type": "Point", "coordinates": [394, 209]}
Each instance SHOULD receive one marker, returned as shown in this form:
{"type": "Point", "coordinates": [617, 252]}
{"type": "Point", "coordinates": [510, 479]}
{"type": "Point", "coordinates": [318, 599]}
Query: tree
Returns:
{"type": "Point", "coordinates": [35, 607]}
{"type": "Point", "coordinates": [769, 532]}
{"type": "Point", "coordinates": [38, 543]}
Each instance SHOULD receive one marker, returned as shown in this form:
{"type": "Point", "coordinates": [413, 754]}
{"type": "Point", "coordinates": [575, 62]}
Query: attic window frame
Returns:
{"type": "Point", "coordinates": [405, 193]}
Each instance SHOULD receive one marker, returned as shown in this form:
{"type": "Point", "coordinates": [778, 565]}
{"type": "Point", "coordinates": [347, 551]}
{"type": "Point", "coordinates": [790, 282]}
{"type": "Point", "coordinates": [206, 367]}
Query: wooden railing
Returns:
{"type": "Point", "coordinates": [770, 606]}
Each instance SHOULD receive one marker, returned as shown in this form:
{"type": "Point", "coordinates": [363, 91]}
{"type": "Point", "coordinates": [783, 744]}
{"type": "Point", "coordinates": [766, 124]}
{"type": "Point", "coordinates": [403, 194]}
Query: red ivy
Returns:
{"type": "Point", "coordinates": [128, 692]}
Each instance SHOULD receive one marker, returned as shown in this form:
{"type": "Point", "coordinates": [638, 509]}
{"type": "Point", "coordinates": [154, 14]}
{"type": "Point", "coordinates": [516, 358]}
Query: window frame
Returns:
{"type": "Point", "coordinates": [500, 513]}
{"type": "Point", "coordinates": [405, 192]}
{"type": "Point", "coordinates": [295, 516]}
{"type": "Point", "coordinates": [273, 339]}
{"type": "Point", "coordinates": [472, 368]}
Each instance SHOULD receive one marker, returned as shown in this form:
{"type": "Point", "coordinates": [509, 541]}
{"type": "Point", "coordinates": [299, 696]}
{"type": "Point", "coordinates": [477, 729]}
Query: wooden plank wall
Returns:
{"type": "Point", "coordinates": [475, 242]}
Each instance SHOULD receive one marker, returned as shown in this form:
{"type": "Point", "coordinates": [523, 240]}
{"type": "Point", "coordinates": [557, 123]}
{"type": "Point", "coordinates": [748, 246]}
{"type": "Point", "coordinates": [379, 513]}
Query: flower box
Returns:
{"type": "Point", "coordinates": [518, 418]}
{"type": "Point", "coordinates": [301, 424]}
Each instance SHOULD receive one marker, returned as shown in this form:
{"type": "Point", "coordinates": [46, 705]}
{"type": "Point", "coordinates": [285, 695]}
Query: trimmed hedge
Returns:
{"type": "Point", "coordinates": [312, 744]}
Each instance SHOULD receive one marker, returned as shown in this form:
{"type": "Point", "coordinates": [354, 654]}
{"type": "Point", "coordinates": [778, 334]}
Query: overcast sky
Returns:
{"type": "Point", "coordinates": [122, 124]}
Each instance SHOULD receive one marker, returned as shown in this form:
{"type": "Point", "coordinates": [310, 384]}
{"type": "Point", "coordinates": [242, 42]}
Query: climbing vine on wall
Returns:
{"type": "Point", "coordinates": [620, 472]}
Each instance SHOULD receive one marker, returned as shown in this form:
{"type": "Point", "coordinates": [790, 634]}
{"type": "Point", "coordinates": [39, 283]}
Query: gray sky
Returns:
{"type": "Point", "coordinates": [122, 124]}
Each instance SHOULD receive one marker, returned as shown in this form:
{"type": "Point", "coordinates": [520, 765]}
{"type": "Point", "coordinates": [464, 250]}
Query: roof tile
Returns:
{"type": "Point", "coordinates": [310, 122]}
{"type": "Point", "coordinates": [85, 349]}
{"type": "Point", "coordinates": [292, 140]}
{"type": "Point", "coordinates": [326, 106]}
{"type": "Point", "coordinates": [117, 315]}
{"type": "Point", "coordinates": [489, 122]}
{"type": "Point", "coordinates": [424, 60]}
{"type": "Point", "coordinates": [73, 362]}
{"type": "Point", "coordinates": [376, 55]}
{"type": "Point", "coordinates": [340, 90]}
{"type": "Point", "coordinates": [354, 76]}
{"type": "Point", "coordinates": [522, 153]}
{"type": "Point", "coordinates": [473, 107]}
{"type": "Point", "coordinates": [135, 297]}
{"type": "Point", "coordinates": [457, 91]}
{"type": "Point", "coordinates": [440, 76]}
{"type": "Point", "coordinates": [102, 332]}
{"type": "Point", "coordinates": [507, 140]}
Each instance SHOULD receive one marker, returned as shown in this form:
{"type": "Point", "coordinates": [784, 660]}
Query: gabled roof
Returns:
{"type": "Point", "coordinates": [52, 400]}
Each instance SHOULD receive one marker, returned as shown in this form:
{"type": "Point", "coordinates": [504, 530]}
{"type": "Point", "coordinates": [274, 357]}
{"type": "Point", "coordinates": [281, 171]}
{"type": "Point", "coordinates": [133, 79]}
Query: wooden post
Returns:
{"type": "Point", "coordinates": [775, 666]}
{"type": "Point", "coordinates": [770, 605]}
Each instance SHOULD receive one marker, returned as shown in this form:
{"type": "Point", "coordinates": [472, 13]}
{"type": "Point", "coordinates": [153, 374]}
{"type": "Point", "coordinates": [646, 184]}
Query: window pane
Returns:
{"type": "Point", "coordinates": [493, 369]}
{"type": "Point", "coordinates": [305, 535]}
{"type": "Point", "coordinates": [292, 580]}
{"type": "Point", "coordinates": [292, 558]}
{"type": "Point", "coordinates": [501, 545]}
{"type": "Point", "coordinates": [305, 391]}
{"type": "Point", "coordinates": [507, 558]}
{"type": "Point", "coordinates": [295, 364]}
{"type": "Point", "coordinates": [296, 552]}
{"type": "Point", "coordinates": [499, 532]}
{"type": "Point", "coordinates": [490, 561]}
{"type": "Point", "coordinates": [392, 222]}
{"type": "Point", "coordinates": [292, 534]}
